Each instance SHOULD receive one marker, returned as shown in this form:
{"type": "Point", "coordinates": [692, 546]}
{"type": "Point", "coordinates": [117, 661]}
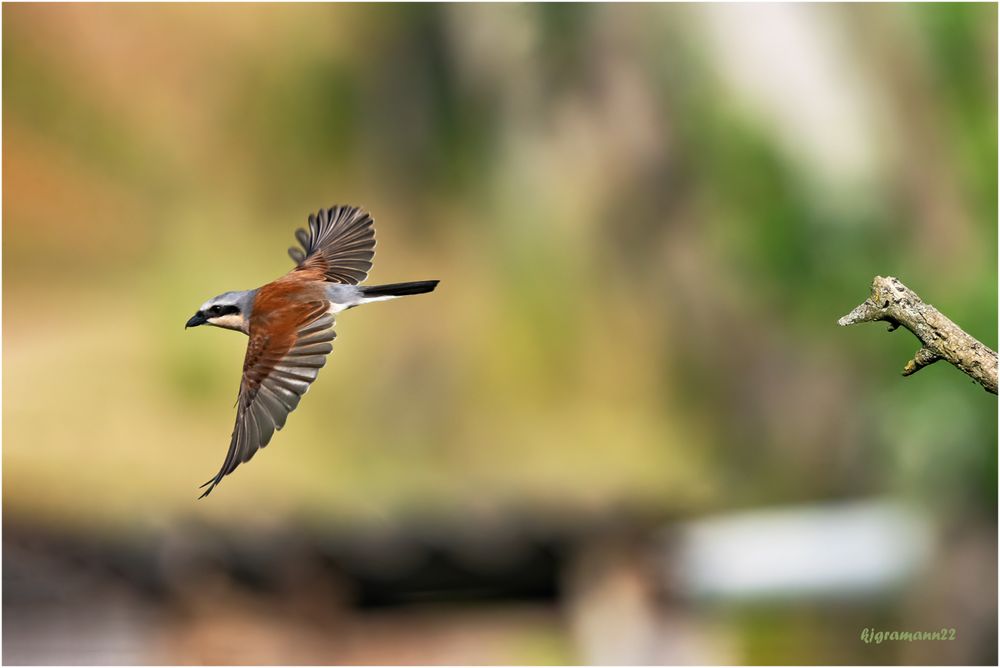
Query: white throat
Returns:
{"type": "Point", "coordinates": [231, 321]}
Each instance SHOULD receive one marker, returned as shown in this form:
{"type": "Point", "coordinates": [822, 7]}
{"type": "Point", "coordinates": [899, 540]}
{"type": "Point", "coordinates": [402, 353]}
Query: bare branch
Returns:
{"type": "Point", "coordinates": [893, 302]}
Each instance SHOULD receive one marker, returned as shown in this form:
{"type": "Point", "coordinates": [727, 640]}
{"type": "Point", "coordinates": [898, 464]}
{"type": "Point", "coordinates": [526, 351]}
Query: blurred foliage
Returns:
{"type": "Point", "coordinates": [640, 279]}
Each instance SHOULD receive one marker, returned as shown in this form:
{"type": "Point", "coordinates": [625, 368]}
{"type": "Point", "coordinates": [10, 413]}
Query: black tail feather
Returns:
{"type": "Point", "coordinates": [398, 289]}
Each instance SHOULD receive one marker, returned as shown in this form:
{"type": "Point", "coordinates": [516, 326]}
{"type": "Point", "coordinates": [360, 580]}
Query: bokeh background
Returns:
{"type": "Point", "coordinates": [625, 428]}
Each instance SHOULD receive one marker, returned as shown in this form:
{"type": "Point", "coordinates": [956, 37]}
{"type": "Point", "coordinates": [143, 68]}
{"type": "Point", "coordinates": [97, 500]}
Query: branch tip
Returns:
{"type": "Point", "coordinates": [924, 357]}
{"type": "Point", "coordinates": [863, 312]}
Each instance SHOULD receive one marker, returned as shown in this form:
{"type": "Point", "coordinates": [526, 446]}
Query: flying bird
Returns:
{"type": "Point", "coordinates": [289, 323]}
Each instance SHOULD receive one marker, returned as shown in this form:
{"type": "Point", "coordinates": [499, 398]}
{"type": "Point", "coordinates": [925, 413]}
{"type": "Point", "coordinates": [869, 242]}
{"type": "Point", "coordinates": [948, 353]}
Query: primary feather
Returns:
{"type": "Point", "coordinates": [340, 243]}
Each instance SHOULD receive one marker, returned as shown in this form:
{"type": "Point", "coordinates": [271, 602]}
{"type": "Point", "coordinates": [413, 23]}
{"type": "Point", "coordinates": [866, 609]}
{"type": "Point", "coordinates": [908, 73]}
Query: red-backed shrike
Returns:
{"type": "Point", "coordinates": [290, 323]}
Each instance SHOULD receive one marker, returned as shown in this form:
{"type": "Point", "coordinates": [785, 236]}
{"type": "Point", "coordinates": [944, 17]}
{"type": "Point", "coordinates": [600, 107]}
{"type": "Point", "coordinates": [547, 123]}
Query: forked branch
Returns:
{"type": "Point", "coordinates": [893, 302]}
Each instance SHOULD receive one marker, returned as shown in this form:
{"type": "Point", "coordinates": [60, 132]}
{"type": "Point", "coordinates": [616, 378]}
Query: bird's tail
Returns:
{"type": "Point", "coordinates": [397, 289]}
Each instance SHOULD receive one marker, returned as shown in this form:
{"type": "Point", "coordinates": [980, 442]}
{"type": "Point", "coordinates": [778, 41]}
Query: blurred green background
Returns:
{"type": "Point", "coordinates": [646, 221]}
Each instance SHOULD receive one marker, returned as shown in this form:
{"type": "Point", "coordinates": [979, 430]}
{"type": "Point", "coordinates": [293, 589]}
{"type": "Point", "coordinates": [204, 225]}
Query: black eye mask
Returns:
{"type": "Point", "coordinates": [219, 310]}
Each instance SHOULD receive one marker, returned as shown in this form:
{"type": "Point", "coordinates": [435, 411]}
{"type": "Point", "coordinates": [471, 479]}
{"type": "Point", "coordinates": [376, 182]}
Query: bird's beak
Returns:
{"type": "Point", "coordinates": [196, 319]}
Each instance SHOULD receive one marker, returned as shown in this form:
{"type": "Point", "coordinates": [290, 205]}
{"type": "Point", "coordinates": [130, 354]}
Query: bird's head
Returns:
{"type": "Point", "coordinates": [230, 310]}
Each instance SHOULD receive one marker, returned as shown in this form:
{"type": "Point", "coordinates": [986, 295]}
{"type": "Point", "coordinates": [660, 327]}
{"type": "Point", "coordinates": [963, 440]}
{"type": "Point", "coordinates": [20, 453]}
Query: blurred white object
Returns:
{"type": "Point", "coordinates": [857, 548]}
{"type": "Point", "coordinates": [795, 68]}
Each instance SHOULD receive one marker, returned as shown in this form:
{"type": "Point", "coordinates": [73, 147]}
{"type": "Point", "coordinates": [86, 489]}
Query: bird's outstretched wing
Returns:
{"type": "Point", "coordinates": [340, 244]}
{"type": "Point", "coordinates": [284, 356]}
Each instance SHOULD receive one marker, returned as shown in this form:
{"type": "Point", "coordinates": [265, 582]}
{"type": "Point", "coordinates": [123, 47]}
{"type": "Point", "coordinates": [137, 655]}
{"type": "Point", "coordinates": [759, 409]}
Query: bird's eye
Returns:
{"type": "Point", "coordinates": [215, 309]}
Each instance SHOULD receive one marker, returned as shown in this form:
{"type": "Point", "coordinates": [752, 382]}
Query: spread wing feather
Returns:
{"type": "Point", "coordinates": [277, 371]}
{"type": "Point", "coordinates": [340, 243]}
